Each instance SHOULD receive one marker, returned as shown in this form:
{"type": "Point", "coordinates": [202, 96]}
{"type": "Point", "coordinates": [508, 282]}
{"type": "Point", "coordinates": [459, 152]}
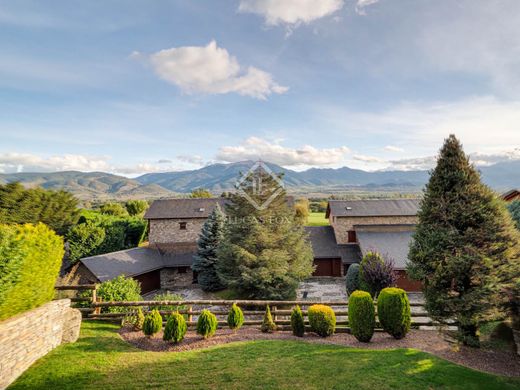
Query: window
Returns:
{"type": "Point", "coordinates": [352, 236]}
{"type": "Point", "coordinates": [182, 225]}
{"type": "Point", "coordinates": [182, 270]}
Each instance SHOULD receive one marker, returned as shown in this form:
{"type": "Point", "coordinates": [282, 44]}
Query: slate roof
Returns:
{"type": "Point", "coordinates": [323, 242]}
{"type": "Point", "coordinates": [394, 244]}
{"type": "Point", "coordinates": [132, 262]}
{"type": "Point", "coordinates": [373, 208]}
{"type": "Point", "coordinates": [511, 194]}
{"type": "Point", "coordinates": [183, 208]}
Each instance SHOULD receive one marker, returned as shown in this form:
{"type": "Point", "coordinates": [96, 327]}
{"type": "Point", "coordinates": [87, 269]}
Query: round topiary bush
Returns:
{"type": "Point", "coordinates": [361, 315]}
{"type": "Point", "coordinates": [297, 323]}
{"type": "Point", "coordinates": [152, 323]}
{"type": "Point", "coordinates": [175, 328]}
{"type": "Point", "coordinates": [352, 279]}
{"type": "Point", "coordinates": [268, 325]}
{"type": "Point", "coordinates": [393, 310]}
{"type": "Point", "coordinates": [235, 317]}
{"type": "Point", "coordinates": [206, 324]}
{"type": "Point", "coordinates": [322, 320]}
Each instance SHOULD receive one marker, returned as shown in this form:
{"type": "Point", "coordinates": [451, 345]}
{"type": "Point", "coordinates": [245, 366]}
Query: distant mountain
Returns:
{"type": "Point", "coordinates": [219, 177]}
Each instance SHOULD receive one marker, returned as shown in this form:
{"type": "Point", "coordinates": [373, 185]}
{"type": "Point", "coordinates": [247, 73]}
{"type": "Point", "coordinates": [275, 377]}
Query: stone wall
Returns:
{"type": "Point", "coordinates": [28, 336]}
{"type": "Point", "coordinates": [342, 225]}
{"type": "Point", "coordinates": [171, 278]}
{"type": "Point", "coordinates": [169, 231]}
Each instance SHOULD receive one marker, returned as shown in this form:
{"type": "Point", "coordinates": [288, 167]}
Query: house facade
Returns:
{"type": "Point", "coordinates": [175, 224]}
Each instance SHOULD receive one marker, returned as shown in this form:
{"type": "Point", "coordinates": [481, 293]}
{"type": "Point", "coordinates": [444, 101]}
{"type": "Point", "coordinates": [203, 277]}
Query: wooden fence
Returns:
{"type": "Point", "coordinates": [253, 309]}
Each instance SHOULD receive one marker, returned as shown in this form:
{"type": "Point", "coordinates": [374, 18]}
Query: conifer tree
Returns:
{"type": "Point", "coordinates": [264, 253]}
{"type": "Point", "coordinates": [465, 249]}
{"type": "Point", "coordinates": [204, 262]}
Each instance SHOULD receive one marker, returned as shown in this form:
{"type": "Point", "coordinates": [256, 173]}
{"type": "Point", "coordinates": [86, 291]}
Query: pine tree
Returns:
{"type": "Point", "coordinates": [465, 248]}
{"type": "Point", "coordinates": [264, 253]}
{"type": "Point", "coordinates": [204, 262]}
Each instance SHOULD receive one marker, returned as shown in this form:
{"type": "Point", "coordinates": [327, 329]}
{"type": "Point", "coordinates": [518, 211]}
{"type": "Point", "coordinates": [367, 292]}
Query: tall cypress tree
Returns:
{"type": "Point", "coordinates": [465, 248]}
{"type": "Point", "coordinates": [264, 253]}
{"type": "Point", "coordinates": [204, 262]}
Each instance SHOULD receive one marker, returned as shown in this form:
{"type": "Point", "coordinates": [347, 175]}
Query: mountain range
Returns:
{"type": "Point", "coordinates": [219, 177]}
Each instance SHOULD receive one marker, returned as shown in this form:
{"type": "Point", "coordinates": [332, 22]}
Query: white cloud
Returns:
{"type": "Point", "coordinates": [191, 159]}
{"type": "Point", "coordinates": [212, 70]}
{"type": "Point", "coordinates": [290, 12]}
{"type": "Point", "coordinates": [367, 159]}
{"type": "Point", "coordinates": [391, 148]}
{"type": "Point", "coordinates": [254, 148]}
{"type": "Point", "coordinates": [25, 162]}
{"type": "Point", "coordinates": [362, 4]}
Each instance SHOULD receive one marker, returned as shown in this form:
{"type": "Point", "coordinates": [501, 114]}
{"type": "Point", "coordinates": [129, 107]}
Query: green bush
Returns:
{"type": "Point", "coordinates": [268, 325]}
{"type": "Point", "coordinates": [168, 296]}
{"type": "Point", "coordinates": [114, 209]}
{"type": "Point", "coordinates": [322, 320]}
{"type": "Point", "coordinates": [84, 240]}
{"type": "Point", "coordinates": [30, 260]}
{"type": "Point", "coordinates": [134, 319]}
{"type": "Point", "coordinates": [352, 279]}
{"type": "Point", "coordinates": [119, 289]}
{"type": "Point", "coordinates": [361, 315]}
{"type": "Point", "coordinates": [393, 310]}
{"type": "Point", "coordinates": [297, 323]}
{"type": "Point", "coordinates": [235, 317]}
{"type": "Point", "coordinates": [152, 323]}
{"type": "Point", "coordinates": [136, 207]}
{"type": "Point", "coordinates": [175, 328]}
{"type": "Point", "coordinates": [206, 324]}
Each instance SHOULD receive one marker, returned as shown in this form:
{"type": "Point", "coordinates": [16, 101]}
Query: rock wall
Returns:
{"type": "Point", "coordinates": [172, 278]}
{"type": "Point", "coordinates": [169, 230]}
{"type": "Point", "coordinates": [342, 225]}
{"type": "Point", "coordinates": [28, 336]}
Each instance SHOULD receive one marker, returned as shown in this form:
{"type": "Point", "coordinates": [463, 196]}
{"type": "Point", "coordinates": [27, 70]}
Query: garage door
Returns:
{"type": "Point", "coordinates": [327, 267]}
{"type": "Point", "coordinates": [407, 284]}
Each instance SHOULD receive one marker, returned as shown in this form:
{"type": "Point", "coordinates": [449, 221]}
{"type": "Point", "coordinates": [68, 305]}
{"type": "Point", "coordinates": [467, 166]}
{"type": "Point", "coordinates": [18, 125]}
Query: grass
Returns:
{"type": "Point", "coordinates": [100, 359]}
{"type": "Point", "coordinates": [317, 219]}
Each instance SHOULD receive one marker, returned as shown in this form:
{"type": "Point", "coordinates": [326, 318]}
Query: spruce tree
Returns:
{"type": "Point", "coordinates": [264, 253]}
{"type": "Point", "coordinates": [204, 262]}
{"type": "Point", "coordinates": [465, 249]}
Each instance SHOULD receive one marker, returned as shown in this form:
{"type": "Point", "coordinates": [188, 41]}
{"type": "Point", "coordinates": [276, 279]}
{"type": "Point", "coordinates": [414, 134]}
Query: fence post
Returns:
{"type": "Point", "coordinates": [275, 317]}
{"type": "Point", "coordinates": [190, 316]}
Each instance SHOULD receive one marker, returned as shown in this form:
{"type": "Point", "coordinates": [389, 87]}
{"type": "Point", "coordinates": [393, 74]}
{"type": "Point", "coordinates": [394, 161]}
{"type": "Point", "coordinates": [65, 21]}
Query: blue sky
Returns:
{"type": "Point", "coordinates": [132, 87]}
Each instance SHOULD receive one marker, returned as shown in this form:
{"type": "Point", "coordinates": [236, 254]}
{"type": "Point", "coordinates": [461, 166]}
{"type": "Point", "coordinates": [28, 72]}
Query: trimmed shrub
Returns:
{"type": "Point", "coordinates": [352, 279]}
{"type": "Point", "coordinates": [152, 323]}
{"type": "Point", "coordinates": [297, 323]}
{"type": "Point", "coordinates": [361, 315]}
{"type": "Point", "coordinates": [268, 325]}
{"type": "Point", "coordinates": [322, 320]}
{"type": "Point", "coordinates": [119, 289]}
{"type": "Point", "coordinates": [175, 328]}
{"type": "Point", "coordinates": [206, 324]}
{"type": "Point", "coordinates": [30, 260]}
{"type": "Point", "coordinates": [393, 310]}
{"type": "Point", "coordinates": [235, 317]}
{"type": "Point", "coordinates": [135, 319]}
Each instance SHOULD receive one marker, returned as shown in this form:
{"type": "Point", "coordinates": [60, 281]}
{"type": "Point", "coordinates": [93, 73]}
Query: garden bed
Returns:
{"type": "Point", "coordinates": [501, 362]}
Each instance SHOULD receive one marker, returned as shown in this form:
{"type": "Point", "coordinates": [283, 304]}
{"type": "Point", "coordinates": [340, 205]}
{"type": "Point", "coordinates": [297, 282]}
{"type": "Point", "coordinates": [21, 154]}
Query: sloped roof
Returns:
{"type": "Point", "coordinates": [183, 208]}
{"type": "Point", "coordinates": [373, 207]}
{"type": "Point", "coordinates": [132, 262]}
{"type": "Point", "coordinates": [394, 244]}
{"type": "Point", "coordinates": [511, 194]}
{"type": "Point", "coordinates": [323, 242]}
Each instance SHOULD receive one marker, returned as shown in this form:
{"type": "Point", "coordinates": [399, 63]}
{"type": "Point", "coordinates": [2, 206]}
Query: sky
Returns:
{"type": "Point", "coordinates": [131, 87]}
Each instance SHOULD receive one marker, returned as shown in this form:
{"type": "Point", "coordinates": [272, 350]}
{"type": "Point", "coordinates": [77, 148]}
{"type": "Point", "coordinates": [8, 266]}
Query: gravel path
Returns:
{"type": "Point", "coordinates": [496, 362]}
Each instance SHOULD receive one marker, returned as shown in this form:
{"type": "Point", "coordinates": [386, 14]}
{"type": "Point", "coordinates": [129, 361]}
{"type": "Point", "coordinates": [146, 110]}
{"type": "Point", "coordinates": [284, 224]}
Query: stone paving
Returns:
{"type": "Point", "coordinates": [322, 289]}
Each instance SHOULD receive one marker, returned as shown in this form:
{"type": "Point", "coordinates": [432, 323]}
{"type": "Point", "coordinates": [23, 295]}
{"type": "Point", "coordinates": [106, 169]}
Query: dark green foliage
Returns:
{"type": "Point", "coordinates": [297, 323]}
{"type": "Point", "coordinates": [465, 249]}
{"type": "Point", "coordinates": [393, 311]}
{"type": "Point", "coordinates": [322, 320]}
{"type": "Point", "coordinates": [268, 325]}
{"type": "Point", "coordinates": [205, 261]}
{"type": "Point", "coordinates": [119, 289]}
{"type": "Point", "coordinates": [84, 240]}
{"type": "Point", "coordinates": [152, 323]}
{"type": "Point", "coordinates": [207, 324]}
{"type": "Point", "coordinates": [361, 315]}
{"type": "Point", "coordinates": [201, 193]}
{"type": "Point", "coordinates": [514, 209]}
{"type": "Point", "coordinates": [235, 317]}
{"type": "Point", "coordinates": [30, 259]}
{"type": "Point", "coordinates": [375, 273]}
{"type": "Point", "coordinates": [167, 296]}
{"type": "Point", "coordinates": [136, 207]}
{"type": "Point", "coordinates": [264, 253]}
{"type": "Point", "coordinates": [175, 328]}
{"type": "Point", "coordinates": [57, 209]}
{"type": "Point", "coordinates": [352, 279]}
{"type": "Point", "coordinates": [114, 209]}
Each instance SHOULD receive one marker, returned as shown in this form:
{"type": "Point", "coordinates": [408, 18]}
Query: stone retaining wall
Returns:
{"type": "Point", "coordinates": [28, 336]}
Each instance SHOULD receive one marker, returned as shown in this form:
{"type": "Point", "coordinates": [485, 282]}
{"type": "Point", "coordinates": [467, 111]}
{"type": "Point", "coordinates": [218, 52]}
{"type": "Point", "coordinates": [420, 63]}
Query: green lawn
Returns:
{"type": "Point", "coordinates": [102, 360]}
{"type": "Point", "coordinates": [317, 219]}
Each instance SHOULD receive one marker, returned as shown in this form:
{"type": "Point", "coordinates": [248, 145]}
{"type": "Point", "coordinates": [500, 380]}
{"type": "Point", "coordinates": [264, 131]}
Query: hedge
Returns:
{"type": "Point", "coordinates": [119, 289]}
{"type": "Point", "coordinates": [393, 310]}
{"type": "Point", "coordinates": [30, 260]}
{"type": "Point", "coordinates": [322, 320]}
{"type": "Point", "coordinates": [361, 315]}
